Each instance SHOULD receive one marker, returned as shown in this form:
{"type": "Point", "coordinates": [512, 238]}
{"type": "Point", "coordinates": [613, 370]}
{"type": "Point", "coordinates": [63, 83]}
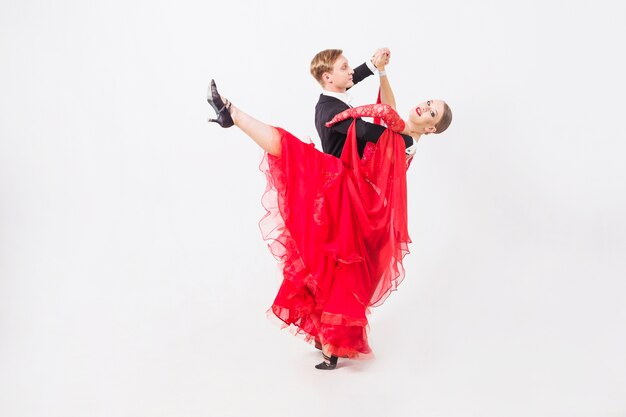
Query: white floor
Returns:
{"type": "Point", "coordinates": [463, 336]}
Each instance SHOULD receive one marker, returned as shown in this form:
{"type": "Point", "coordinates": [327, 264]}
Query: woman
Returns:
{"type": "Point", "coordinates": [337, 225]}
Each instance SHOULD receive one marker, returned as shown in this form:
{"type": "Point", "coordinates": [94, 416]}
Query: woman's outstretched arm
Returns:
{"type": "Point", "coordinates": [386, 93]}
{"type": "Point", "coordinates": [386, 113]}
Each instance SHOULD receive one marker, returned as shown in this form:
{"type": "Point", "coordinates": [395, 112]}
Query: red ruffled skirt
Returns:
{"type": "Point", "coordinates": [338, 226]}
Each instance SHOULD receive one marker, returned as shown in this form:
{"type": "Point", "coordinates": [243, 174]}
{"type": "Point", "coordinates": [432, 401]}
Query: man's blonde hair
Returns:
{"type": "Point", "coordinates": [323, 62]}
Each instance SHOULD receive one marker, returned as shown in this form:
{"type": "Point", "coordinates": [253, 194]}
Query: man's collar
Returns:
{"type": "Point", "coordinates": [345, 97]}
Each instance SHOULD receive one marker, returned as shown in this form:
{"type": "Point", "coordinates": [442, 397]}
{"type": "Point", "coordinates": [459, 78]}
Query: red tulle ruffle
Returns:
{"type": "Point", "coordinates": [338, 226]}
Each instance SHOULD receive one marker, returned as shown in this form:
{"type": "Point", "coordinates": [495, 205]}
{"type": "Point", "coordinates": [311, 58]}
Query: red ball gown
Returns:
{"type": "Point", "coordinates": [338, 226]}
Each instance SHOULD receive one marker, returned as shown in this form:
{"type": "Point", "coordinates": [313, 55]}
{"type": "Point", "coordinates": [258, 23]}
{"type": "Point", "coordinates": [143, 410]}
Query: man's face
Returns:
{"type": "Point", "coordinates": [340, 79]}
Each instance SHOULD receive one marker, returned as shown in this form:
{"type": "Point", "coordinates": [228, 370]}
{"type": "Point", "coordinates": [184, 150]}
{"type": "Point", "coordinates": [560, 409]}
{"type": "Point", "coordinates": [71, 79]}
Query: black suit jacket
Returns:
{"type": "Point", "coordinates": [333, 138]}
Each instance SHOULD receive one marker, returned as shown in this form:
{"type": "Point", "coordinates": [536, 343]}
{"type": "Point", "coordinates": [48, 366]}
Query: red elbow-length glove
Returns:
{"type": "Point", "coordinates": [386, 113]}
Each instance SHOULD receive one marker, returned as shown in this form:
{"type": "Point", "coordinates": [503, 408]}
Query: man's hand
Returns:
{"type": "Point", "coordinates": [381, 58]}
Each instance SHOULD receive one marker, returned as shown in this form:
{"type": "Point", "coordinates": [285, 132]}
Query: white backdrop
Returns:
{"type": "Point", "coordinates": [133, 277]}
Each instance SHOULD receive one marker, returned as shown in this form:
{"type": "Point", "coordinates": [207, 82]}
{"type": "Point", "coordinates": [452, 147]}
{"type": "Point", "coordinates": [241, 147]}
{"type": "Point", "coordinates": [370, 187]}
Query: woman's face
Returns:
{"type": "Point", "coordinates": [426, 115]}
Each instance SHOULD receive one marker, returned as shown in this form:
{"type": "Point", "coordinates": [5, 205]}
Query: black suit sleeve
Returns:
{"type": "Point", "coordinates": [361, 72]}
{"type": "Point", "coordinates": [367, 132]}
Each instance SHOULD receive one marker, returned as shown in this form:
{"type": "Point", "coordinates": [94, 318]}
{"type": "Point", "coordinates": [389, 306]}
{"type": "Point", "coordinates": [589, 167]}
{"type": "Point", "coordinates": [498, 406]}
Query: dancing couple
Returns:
{"type": "Point", "coordinates": [337, 220]}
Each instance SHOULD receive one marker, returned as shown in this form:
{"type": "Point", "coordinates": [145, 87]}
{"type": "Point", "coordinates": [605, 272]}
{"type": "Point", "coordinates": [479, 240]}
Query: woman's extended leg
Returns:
{"type": "Point", "coordinates": [266, 136]}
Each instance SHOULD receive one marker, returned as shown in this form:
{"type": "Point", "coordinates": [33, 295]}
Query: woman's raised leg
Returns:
{"type": "Point", "coordinates": [266, 136]}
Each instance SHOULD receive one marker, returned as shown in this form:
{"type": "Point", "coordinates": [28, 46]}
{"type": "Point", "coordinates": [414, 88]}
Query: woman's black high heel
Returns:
{"type": "Point", "coordinates": [329, 363]}
{"type": "Point", "coordinates": [222, 110]}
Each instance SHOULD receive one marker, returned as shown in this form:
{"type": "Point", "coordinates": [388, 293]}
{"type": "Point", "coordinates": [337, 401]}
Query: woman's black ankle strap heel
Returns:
{"type": "Point", "coordinates": [222, 110]}
{"type": "Point", "coordinates": [329, 363]}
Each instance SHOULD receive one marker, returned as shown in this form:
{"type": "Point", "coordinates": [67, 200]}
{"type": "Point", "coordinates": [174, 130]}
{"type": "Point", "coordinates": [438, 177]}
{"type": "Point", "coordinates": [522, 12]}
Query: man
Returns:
{"type": "Point", "coordinates": [333, 72]}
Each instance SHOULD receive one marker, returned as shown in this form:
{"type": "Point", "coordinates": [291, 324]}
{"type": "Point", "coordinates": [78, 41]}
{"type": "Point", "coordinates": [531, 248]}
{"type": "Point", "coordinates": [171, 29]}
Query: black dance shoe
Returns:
{"type": "Point", "coordinates": [222, 110]}
{"type": "Point", "coordinates": [329, 363]}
